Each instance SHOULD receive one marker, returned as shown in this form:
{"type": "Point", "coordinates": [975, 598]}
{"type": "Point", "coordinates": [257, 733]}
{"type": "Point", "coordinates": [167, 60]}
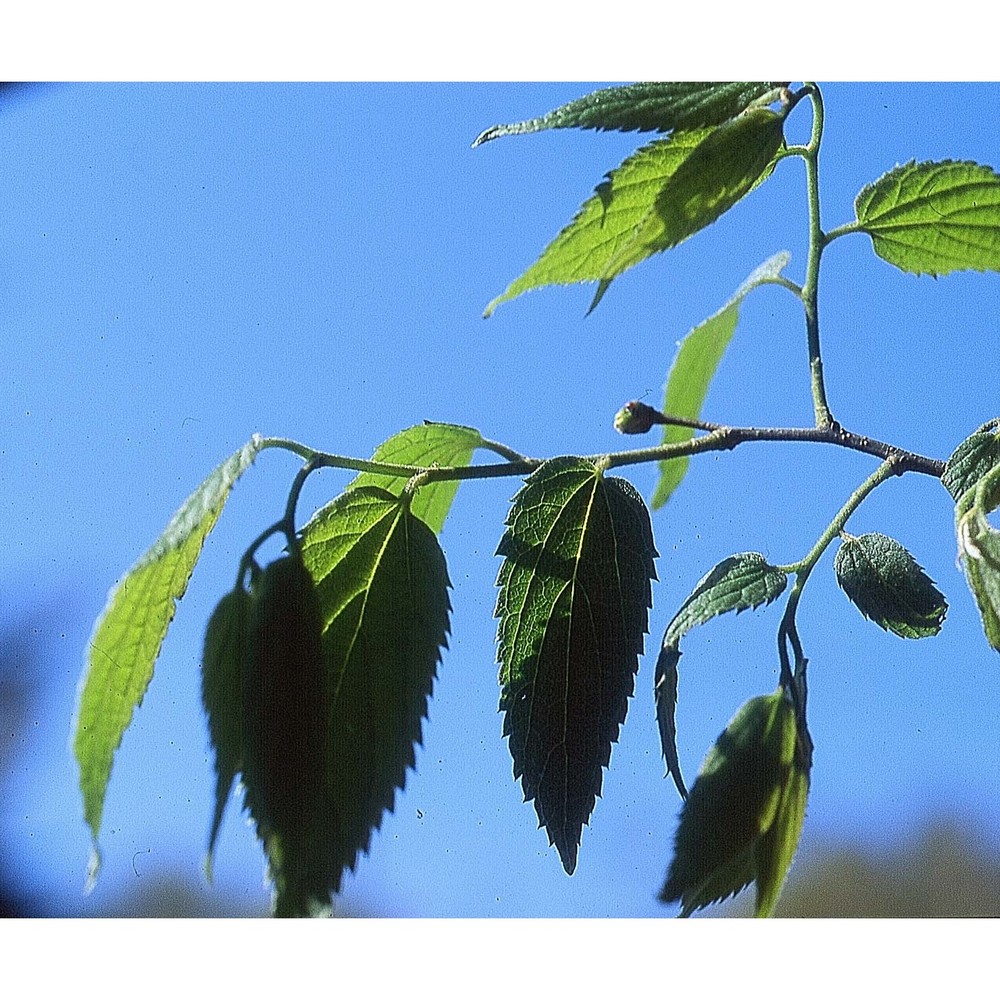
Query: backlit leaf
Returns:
{"type": "Point", "coordinates": [645, 107]}
{"type": "Point", "coordinates": [886, 585]}
{"type": "Point", "coordinates": [742, 581]}
{"type": "Point", "coordinates": [130, 631]}
{"type": "Point", "coordinates": [425, 445]}
{"type": "Point", "coordinates": [382, 586]}
{"type": "Point", "coordinates": [694, 368]}
{"type": "Point", "coordinates": [221, 693]}
{"type": "Point", "coordinates": [606, 222]}
{"type": "Point", "coordinates": [934, 218]}
{"type": "Point", "coordinates": [742, 818]}
{"type": "Point", "coordinates": [573, 605]}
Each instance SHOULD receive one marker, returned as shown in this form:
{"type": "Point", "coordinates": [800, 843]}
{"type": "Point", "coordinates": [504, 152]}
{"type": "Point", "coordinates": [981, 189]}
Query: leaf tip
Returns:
{"type": "Point", "coordinates": [93, 869]}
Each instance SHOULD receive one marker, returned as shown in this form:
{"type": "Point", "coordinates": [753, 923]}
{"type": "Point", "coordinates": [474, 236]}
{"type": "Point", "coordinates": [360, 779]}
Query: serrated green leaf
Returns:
{"type": "Point", "coordinates": [934, 217]}
{"type": "Point", "coordinates": [745, 580]}
{"type": "Point", "coordinates": [129, 633]}
{"type": "Point", "coordinates": [606, 222]}
{"type": "Point", "coordinates": [977, 455]}
{"type": "Point", "coordinates": [775, 850]}
{"type": "Point", "coordinates": [723, 168]}
{"type": "Point", "coordinates": [425, 445]}
{"type": "Point", "coordinates": [887, 585]}
{"type": "Point", "coordinates": [694, 368]}
{"type": "Point", "coordinates": [382, 586]}
{"type": "Point", "coordinates": [645, 107]}
{"type": "Point", "coordinates": [573, 606]}
{"type": "Point", "coordinates": [733, 806]}
{"type": "Point", "coordinates": [284, 699]}
{"type": "Point", "coordinates": [221, 693]}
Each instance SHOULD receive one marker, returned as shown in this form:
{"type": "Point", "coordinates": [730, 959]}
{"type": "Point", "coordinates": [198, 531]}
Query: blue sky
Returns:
{"type": "Point", "coordinates": [187, 264]}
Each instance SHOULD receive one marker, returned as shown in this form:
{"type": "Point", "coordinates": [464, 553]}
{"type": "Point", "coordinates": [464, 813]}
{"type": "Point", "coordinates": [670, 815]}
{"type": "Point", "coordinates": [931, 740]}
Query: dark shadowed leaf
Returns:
{"type": "Point", "coordinates": [886, 585]}
{"type": "Point", "coordinates": [646, 107]}
{"type": "Point", "coordinates": [382, 586]}
{"type": "Point", "coordinates": [934, 218]}
{"type": "Point", "coordinates": [573, 604]}
{"type": "Point", "coordinates": [221, 694]}
{"type": "Point", "coordinates": [742, 818]}
{"type": "Point", "coordinates": [425, 445]}
{"type": "Point", "coordinates": [972, 459]}
{"type": "Point", "coordinates": [694, 368]}
{"type": "Point", "coordinates": [130, 631]}
{"type": "Point", "coordinates": [739, 582]}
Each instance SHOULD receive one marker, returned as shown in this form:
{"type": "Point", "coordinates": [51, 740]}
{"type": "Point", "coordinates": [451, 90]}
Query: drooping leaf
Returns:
{"type": "Point", "coordinates": [972, 459]}
{"type": "Point", "coordinates": [573, 605]}
{"type": "Point", "coordinates": [608, 220]}
{"type": "Point", "coordinates": [130, 631]}
{"type": "Point", "coordinates": [934, 217]}
{"type": "Point", "coordinates": [645, 107]}
{"type": "Point", "coordinates": [221, 694]}
{"type": "Point", "coordinates": [425, 445]}
{"type": "Point", "coordinates": [723, 168]}
{"type": "Point", "coordinates": [382, 586]}
{"type": "Point", "coordinates": [694, 368]}
{"type": "Point", "coordinates": [739, 582]}
{"type": "Point", "coordinates": [979, 550]}
{"type": "Point", "coordinates": [283, 735]}
{"type": "Point", "coordinates": [741, 820]}
{"type": "Point", "coordinates": [887, 585]}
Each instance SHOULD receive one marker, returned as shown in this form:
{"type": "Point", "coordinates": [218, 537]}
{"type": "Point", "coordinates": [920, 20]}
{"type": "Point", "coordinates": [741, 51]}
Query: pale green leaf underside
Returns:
{"type": "Point", "coordinates": [887, 585]}
{"type": "Point", "coordinates": [130, 631]}
{"type": "Point", "coordinates": [739, 582]}
{"type": "Point", "coordinates": [573, 603]}
{"type": "Point", "coordinates": [382, 586]}
{"type": "Point", "coordinates": [645, 107]}
{"type": "Point", "coordinates": [425, 445]}
{"type": "Point", "coordinates": [694, 368]}
{"type": "Point", "coordinates": [606, 222]}
{"type": "Point", "coordinates": [979, 550]}
{"type": "Point", "coordinates": [934, 217]}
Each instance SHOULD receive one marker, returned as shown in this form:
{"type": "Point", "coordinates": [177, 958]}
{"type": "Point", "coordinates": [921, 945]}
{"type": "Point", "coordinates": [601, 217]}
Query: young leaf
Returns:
{"type": "Point", "coordinates": [742, 581]}
{"type": "Point", "coordinates": [886, 585]}
{"type": "Point", "coordinates": [221, 673]}
{"type": "Point", "coordinates": [972, 459]}
{"type": "Point", "coordinates": [694, 368]}
{"type": "Point", "coordinates": [723, 168]}
{"type": "Point", "coordinates": [645, 107]}
{"type": "Point", "coordinates": [608, 220]}
{"type": "Point", "coordinates": [934, 218]}
{"type": "Point", "coordinates": [382, 586]}
{"type": "Point", "coordinates": [425, 445]}
{"type": "Point", "coordinates": [979, 550]}
{"type": "Point", "coordinates": [742, 818]}
{"type": "Point", "coordinates": [573, 604]}
{"type": "Point", "coordinates": [130, 631]}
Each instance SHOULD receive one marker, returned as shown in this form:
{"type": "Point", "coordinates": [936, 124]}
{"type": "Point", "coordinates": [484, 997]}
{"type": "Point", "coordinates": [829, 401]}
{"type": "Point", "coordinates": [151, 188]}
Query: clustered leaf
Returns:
{"type": "Point", "coordinates": [645, 107]}
{"type": "Point", "coordinates": [887, 585]}
{"type": "Point", "coordinates": [744, 815]}
{"type": "Point", "coordinates": [934, 217]}
{"type": "Point", "coordinates": [573, 604]}
{"type": "Point", "coordinates": [694, 368]}
{"type": "Point", "coordinates": [130, 631]}
{"type": "Point", "coordinates": [746, 580]}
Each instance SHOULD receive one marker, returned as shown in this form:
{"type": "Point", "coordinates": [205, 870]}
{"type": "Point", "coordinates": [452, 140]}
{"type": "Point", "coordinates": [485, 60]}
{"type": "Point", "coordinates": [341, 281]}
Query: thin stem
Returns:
{"type": "Point", "coordinates": [817, 240]}
{"type": "Point", "coordinates": [846, 229]}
